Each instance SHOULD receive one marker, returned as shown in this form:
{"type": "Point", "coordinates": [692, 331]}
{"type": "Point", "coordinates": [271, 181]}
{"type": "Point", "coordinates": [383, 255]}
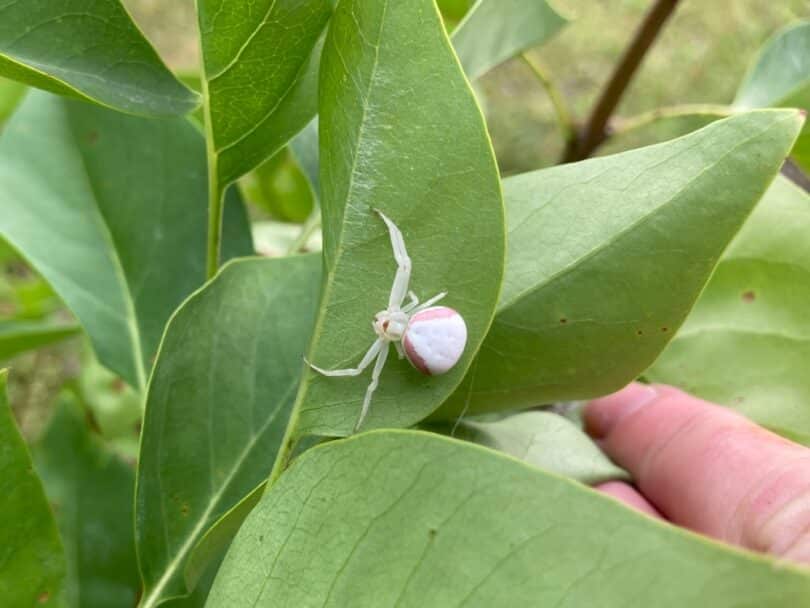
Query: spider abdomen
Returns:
{"type": "Point", "coordinates": [435, 339]}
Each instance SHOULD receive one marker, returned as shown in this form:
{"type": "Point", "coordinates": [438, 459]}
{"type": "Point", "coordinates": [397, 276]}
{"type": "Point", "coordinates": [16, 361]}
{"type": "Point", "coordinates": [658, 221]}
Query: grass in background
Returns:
{"type": "Point", "coordinates": [700, 57]}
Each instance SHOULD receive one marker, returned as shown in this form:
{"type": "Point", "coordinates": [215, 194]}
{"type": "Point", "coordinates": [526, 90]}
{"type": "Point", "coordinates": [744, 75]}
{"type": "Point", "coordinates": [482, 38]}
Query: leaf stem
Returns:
{"type": "Point", "coordinates": [564, 118]}
{"type": "Point", "coordinates": [216, 190]}
{"type": "Point", "coordinates": [215, 206]}
{"type": "Point", "coordinates": [594, 132]}
{"type": "Point", "coordinates": [312, 223]}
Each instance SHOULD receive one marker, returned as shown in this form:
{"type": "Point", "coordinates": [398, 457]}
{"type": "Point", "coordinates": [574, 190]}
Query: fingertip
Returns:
{"type": "Point", "coordinates": [602, 415]}
{"type": "Point", "coordinates": [627, 494]}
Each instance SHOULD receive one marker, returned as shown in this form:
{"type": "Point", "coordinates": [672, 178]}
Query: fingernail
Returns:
{"type": "Point", "coordinates": [603, 414]}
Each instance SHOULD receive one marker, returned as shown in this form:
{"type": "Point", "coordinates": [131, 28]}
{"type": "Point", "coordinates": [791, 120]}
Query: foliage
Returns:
{"type": "Point", "coordinates": [90, 490]}
{"type": "Point", "coordinates": [250, 381]}
{"type": "Point", "coordinates": [95, 223]}
{"type": "Point", "coordinates": [746, 343]}
{"type": "Point", "coordinates": [456, 525]}
{"type": "Point", "coordinates": [89, 50]}
{"type": "Point", "coordinates": [544, 439]}
{"type": "Point", "coordinates": [684, 262]}
{"type": "Point", "coordinates": [32, 561]}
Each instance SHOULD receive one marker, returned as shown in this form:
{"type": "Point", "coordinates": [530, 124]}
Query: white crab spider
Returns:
{"type": "Point", "coordinates": [431, 337]}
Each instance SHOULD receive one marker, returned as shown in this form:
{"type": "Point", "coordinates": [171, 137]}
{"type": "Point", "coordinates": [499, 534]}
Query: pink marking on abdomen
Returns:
{"type": "Point", "coordinates": [436, 312]}
{"type": "Point", "coordinates": [415, 358]}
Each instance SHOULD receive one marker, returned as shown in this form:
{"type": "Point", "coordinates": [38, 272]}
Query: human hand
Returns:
{"type": "Point", "coordinates": [706, 468]}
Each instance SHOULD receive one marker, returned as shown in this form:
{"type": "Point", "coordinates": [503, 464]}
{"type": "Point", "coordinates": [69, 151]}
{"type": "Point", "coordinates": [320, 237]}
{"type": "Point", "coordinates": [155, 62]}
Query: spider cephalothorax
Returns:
{"type": "Point", "coordinates": [431, 337]}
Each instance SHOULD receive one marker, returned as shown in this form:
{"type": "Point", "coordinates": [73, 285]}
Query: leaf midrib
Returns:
{"type": "Point", "coordinates": [130, 312]}
{"type": "Point", "coordinates": [330, 275]}
{"type": "Point", "coordinates": [302, 69]}
{"type": "Point", "coordinates": [243, 47]}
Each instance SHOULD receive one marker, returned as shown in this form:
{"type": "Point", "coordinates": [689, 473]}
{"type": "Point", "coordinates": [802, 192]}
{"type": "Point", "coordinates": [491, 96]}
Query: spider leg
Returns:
{"type": "Point", "coordinates": [353, 371]}
{"type": "Point", "coordinates": [375, 380]}
{"type": "Point", "coordinates": [414, 302]}
{"type": "Point", "coordinates": [429, 302]}
{"type": "Point", "coordinates": [403, 276]}
{"type": "Point", "coordinates": [400, 351]}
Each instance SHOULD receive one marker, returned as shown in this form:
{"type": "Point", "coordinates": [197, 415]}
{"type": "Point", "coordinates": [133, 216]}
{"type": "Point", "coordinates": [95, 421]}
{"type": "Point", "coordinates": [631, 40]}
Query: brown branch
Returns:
{"type": "Point", "coordinates": [794, 173]}
{"type": "Point", "coordinates": [595, 131]}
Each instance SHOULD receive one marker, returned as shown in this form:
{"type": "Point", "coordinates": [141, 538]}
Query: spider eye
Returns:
{"type": "Point", "coordinates": [385, 325]}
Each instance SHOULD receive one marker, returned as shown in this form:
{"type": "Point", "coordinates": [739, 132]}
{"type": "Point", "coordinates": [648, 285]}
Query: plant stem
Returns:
{"type": "Point", "coordinates": [564, 118]}
{"type": "Point", "coordinates": [307, 229]}
{"type": "Point", "coordinates": [215, 205]}
{"type": "Point", "coordinates": [622, 126]}
{"type": "Point", "coordinates": [216, 190]}
{"type": "Point", "coordinates": [794, 173]}
{"type": "Point", "coordinates": [594, 133]}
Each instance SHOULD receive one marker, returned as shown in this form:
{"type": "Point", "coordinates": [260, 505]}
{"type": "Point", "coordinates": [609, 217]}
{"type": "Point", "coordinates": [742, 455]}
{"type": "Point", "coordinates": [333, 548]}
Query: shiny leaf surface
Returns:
{"type": "Point", "coordinates": [110, 209]}
{"type": "Point", "coordinates": [89, 49]}
{"type": "Point", "coordinates": [261, 75]}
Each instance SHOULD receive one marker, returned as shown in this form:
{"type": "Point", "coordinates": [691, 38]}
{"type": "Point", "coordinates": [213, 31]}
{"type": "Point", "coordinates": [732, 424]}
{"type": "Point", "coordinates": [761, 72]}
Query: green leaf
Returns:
{"type": "Point", "coordinates": [490, 36]}
{"type": "Point", "coordinates": [32, 561]}
{"type": "Point", "coordinates": [91, 50]}
{"type": "Point", "coordinates": [115, 406]}
{"type": "Point", "coordinates": [25, 295]}
{"type": "Point", "coordinates": [20, 336]}
{"type": "Point", "coordinates": [453, 10]}
{"type": "Point", "coordinates": [546, 440]}
{"type": "Point", "coordinates": [91, 491]}
{"type": "Point", "coordinates": [280, 188]}
{"type": "Point", "coordinates": [606, 258]}
{"type": "Point", "coordinates": [261, 69]}
{"type": "Point", "coordinates": [400, 131]}
{"type": "Point", "coordinates": [11, 93]}
{"type": "Point", "coordinates": [780, 77]}
{"type": "Point", "coordinates": [746, 344]}
{"type": "Point", "coordinates": [304, 148]}
{"type": "Point", "coordinates": [496, 30]}
{"type": "Point", "coordinates": [801, 151]}
{"type": "Point", "coordinates": [110, 210]}
{"type": "Point", "coordinates": [217, 407]}
{"type": "Point", "coordinates": [780, 74]}
{"type": "Point", "coordinates": [276, 239]}
{"type": "Point", "coordinates": [412, 519]}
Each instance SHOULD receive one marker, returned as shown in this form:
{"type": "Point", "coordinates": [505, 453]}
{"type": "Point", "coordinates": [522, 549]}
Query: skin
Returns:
{"type": "Point", "coordinates": [706, 468]}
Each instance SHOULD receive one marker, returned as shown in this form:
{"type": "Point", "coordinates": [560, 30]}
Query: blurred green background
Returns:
{"type": "Point", "coordinates": [700, 58]}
